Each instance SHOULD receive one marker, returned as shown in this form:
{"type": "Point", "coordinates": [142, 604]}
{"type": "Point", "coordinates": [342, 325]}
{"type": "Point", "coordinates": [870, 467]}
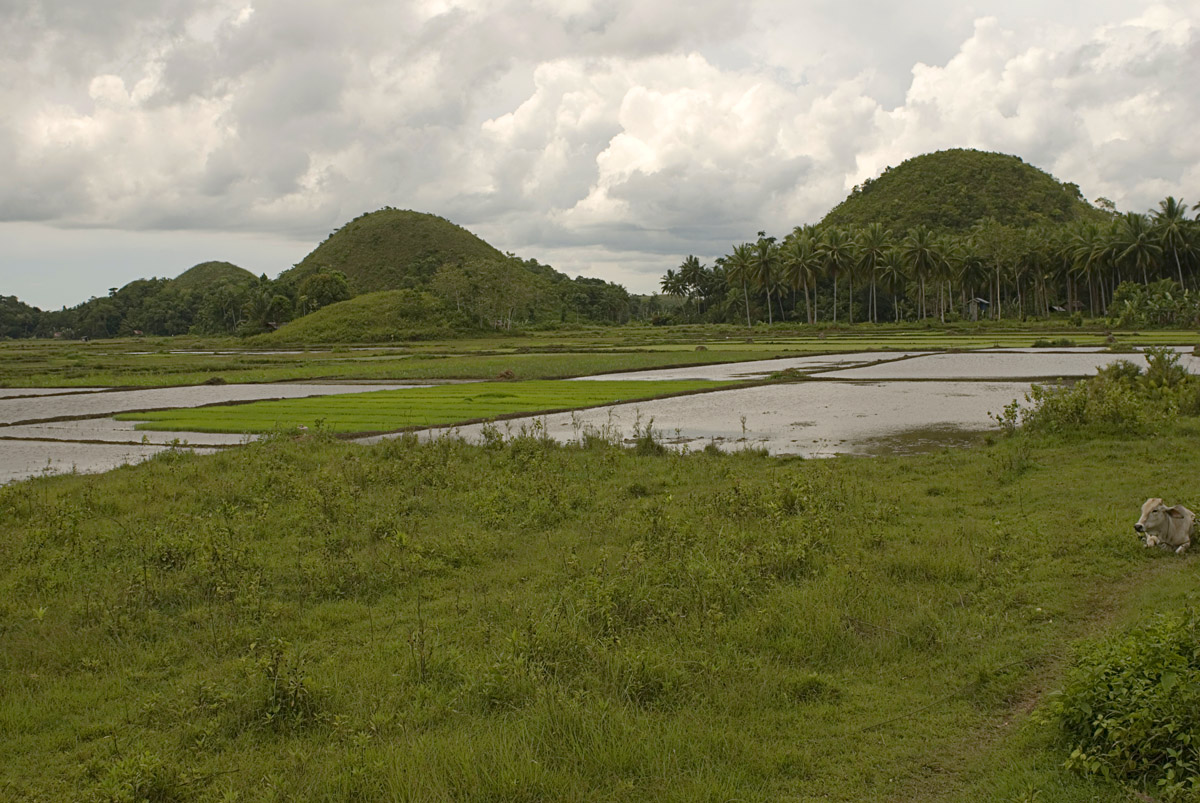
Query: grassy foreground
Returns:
{"type": "Point", "coordinates": [388, 410]}
{"type": "Point", "coordinates": [311, 620]}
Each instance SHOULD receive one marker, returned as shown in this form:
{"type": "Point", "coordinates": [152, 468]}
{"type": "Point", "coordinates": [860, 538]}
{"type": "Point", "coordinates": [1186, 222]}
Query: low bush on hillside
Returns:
{"type": "Point", "coordinates": [1130, 709]}
{"type": "Point", "coordinates": [1121, 398]}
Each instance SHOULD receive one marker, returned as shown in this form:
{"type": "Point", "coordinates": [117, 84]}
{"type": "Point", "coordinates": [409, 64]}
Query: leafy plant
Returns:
{"type": "Point", "coordinates": [1130, 709]}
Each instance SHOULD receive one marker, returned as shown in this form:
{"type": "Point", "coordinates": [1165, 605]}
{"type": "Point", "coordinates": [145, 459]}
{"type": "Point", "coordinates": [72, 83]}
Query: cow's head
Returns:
{"type": "Point", "coordinates": [1156, 519]}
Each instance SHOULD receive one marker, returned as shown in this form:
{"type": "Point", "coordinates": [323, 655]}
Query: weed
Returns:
{"type": "Point", "coordinates": [1131, 708]}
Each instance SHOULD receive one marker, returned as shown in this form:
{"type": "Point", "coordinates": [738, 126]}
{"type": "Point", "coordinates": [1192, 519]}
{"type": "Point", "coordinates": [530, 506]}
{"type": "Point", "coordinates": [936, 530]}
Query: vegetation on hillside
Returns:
{"type": "Point", "coordinates": [391, 249]}
{"type": "Point", "coordinates": [953, 190]}
{"type": "Point", "coordinates": [383, 317]}
{"type": "Point", "coordinates": [385, 250]}
{"type": "Point", "coordinates": [209, 275]}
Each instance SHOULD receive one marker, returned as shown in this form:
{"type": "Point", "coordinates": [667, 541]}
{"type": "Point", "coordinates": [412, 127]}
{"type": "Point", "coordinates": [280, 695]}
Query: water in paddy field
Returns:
{"type": "Point", "coordinates": [867, 403]}
{"type": "Point", "coordinates": [864, 403]}
{"type": "Point", "coordinates": [812, 419]}
{"type": "Point", "coordinates": [32, 442]}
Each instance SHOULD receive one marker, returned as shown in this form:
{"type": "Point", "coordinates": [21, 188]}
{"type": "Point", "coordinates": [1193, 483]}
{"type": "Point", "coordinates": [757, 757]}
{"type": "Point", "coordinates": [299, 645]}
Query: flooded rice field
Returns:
{"type": "Point", "coordinates": [858, 403]}
{"type": "Point", "coordinates": [865, 403]}
{"type": "Point", "coordinates": [51, 430]}
{"type": "Point", "coordinates": [41, 407]}
{"type": "Point", "coordinates": [813, 419]}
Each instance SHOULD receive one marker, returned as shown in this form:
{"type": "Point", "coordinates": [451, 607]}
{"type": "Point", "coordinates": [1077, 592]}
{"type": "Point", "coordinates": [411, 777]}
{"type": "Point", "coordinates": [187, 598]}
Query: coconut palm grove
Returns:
{"type": "Point", "coordinates": [954, 235]}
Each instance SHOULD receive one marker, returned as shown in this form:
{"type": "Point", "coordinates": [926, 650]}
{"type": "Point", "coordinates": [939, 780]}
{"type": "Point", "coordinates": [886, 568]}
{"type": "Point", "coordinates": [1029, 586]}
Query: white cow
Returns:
{"type": "Point", "coordinates": [1166, 527]}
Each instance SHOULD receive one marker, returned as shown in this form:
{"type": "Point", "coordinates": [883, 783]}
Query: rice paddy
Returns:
{"type": "Point", "coordinates": [388, 410]}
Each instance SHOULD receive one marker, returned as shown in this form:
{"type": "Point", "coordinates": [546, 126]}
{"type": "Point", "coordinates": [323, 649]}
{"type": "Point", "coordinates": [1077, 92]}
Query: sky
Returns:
{"type": "Point", "coordinates": [607, 138]}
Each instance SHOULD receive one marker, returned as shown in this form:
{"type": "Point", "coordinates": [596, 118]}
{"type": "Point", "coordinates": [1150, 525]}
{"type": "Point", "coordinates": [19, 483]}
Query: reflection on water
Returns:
{"type": "Point", "coordinates": [756, 369]}
{"type": "Point", "coordinates": [813, 419]}
{"type": "Point", "coordinates": [86, 445]}
{"type": "Point", "coordinates": [118, 401]}
{"type": "Point", "coordinates": [23, 459]}
{"type": "Point", "coordinates": [996, 365]}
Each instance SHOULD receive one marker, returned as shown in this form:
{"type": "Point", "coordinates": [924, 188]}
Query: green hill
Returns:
{"type": "Point", "coordinates": [370, 318]}
{"type": "Point", "coordinates": [954, 189]}
{"type": "Point", "coordinates": [210, 274]}
{"type": "Point", "coordinates": [392, 249]}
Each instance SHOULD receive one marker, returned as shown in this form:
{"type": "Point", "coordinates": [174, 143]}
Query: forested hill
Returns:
{"type": "Point", "coordinates": [207, 276]}
{"type": "Point", "coordinates": [952, 190]}
{"type": "Point", "coordinates": [392, 249]}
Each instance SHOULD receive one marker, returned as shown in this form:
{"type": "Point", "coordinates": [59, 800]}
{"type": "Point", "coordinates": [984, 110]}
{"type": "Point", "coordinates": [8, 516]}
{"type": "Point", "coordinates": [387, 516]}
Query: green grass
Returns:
{"type": "Point", "coordinates": [311, 620]}
{"type": "Point", "coordinates": [386, 410]}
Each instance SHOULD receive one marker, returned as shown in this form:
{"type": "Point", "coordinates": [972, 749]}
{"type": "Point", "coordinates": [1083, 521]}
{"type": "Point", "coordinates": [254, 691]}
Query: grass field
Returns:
{"type": "Point", "coordinates": [537, 355]}
{"type": "Point", "coordinates": [311, 620]}
{"type": "Point", "coordinates": [387, 410]}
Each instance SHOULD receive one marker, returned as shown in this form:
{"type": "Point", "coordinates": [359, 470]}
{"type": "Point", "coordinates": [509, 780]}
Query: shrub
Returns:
{"type": "Point", "coordinates": [1161, 303]}
{"type": "Point", "coordinates": [1120, 399]}
{"type": "Point", "coordinates": [1130, 710]}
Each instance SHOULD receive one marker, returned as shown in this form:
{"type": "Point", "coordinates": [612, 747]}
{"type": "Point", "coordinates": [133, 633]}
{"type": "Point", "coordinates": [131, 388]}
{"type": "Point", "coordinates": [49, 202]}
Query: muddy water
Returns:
{"type": "Point", "coordinates": [995, 365]}
{"type": "Point", "coordinates": [42, 407]}
{"type": "Point", "coordinates": [23, 459]}
{"type": "Point", "coordinates": [867, 403]}
{"type": "Point", "coordinates": [757, 369]}
{"type": "Point", "coordinates": [813, 419]}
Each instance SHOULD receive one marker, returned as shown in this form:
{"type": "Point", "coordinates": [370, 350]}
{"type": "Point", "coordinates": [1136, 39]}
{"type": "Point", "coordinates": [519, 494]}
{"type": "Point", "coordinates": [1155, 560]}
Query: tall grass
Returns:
{"type": "Point", "coordinates": [304, 619]}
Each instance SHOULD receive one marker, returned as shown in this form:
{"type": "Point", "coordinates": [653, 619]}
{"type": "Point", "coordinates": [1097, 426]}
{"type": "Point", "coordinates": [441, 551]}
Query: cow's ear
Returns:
{"type": "Point", "coordinates": [1177, 511]}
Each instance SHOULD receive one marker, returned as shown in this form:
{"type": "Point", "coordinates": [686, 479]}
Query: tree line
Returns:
{"type": "Point", "coordinates": [163, 307]}
{"type": "Point", "coordinates": [847, 274]}
{"type": "Point", "coordinates": [475, 294]}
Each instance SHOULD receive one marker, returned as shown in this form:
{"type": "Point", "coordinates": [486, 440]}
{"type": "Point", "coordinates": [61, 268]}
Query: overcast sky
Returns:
{"type": "Point", "coordinates": [609, 138]}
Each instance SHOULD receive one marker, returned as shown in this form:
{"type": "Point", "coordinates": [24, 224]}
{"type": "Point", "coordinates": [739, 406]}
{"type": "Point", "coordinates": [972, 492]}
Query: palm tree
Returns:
{"type": "Point", "coordinates": [672, 284]}
{"type": "Point", "coordinates": [873, 244]}
{"type": "Point", "coordinates": [922, 255]}
{"type": "Point", "coordinates": [1170, 224]}
{"type": "Point", "coordinates": [837, 254]}
{"type": "Point", "coordinates": [764, 267]}
{"type": "Point", "coordinates": [738, 266]}
{"type": "Point", "coordinates": [691, 273]}
{"type": "Point", "coordinates": [1136, 245]}
{"type": "Point", "coordinates": [892, 276]}
{"type": "Point", "coordinates": [800, 264]}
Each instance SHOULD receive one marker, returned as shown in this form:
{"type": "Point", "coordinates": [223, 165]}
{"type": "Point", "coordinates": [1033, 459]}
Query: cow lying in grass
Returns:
{"type": "Point", "coordinates": [1166, 527]}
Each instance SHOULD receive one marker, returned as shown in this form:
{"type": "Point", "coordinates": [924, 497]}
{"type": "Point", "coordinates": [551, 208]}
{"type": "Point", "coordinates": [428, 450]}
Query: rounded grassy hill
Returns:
{"type": "Point", "coordinates": [952, 190]}
{"type": "Point", "coordinates": [392, 249]}
{"type": "Point", "coordinates": [206, 275]}
{"type": "Point", "coordinates": [380, 317]}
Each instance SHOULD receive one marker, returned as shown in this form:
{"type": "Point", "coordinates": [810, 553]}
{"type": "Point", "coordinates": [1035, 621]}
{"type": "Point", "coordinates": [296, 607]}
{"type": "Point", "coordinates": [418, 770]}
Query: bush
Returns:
{"type": "Point", "coordinates": [1162, 303]}
{"type": "Point", "coordinates": [1130, 710]}
{"type": "Point", "coordinates": [1120, 399]}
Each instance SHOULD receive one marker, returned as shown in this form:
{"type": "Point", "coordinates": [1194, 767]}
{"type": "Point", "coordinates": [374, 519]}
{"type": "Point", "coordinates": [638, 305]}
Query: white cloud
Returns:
{"type": "Point", "coordinates": [615, 135]}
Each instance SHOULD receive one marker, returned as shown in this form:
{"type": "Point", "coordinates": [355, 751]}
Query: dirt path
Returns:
{"type": "Point", "coordinates": [946, 775]}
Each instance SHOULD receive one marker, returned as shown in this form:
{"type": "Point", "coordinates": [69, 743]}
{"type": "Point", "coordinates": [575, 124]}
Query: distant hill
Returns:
{"type": "Point", "coordinates": [954, 189]}
{"type": "Point", "coordinates": [206, 275]}
{"type": "Point", "coordinates": [381, 317]}
{"type": "Point", "coordinates": [392, 249]}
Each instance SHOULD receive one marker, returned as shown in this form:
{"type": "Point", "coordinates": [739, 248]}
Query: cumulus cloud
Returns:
{"type": "Point", "coordinates": [613, 136]}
